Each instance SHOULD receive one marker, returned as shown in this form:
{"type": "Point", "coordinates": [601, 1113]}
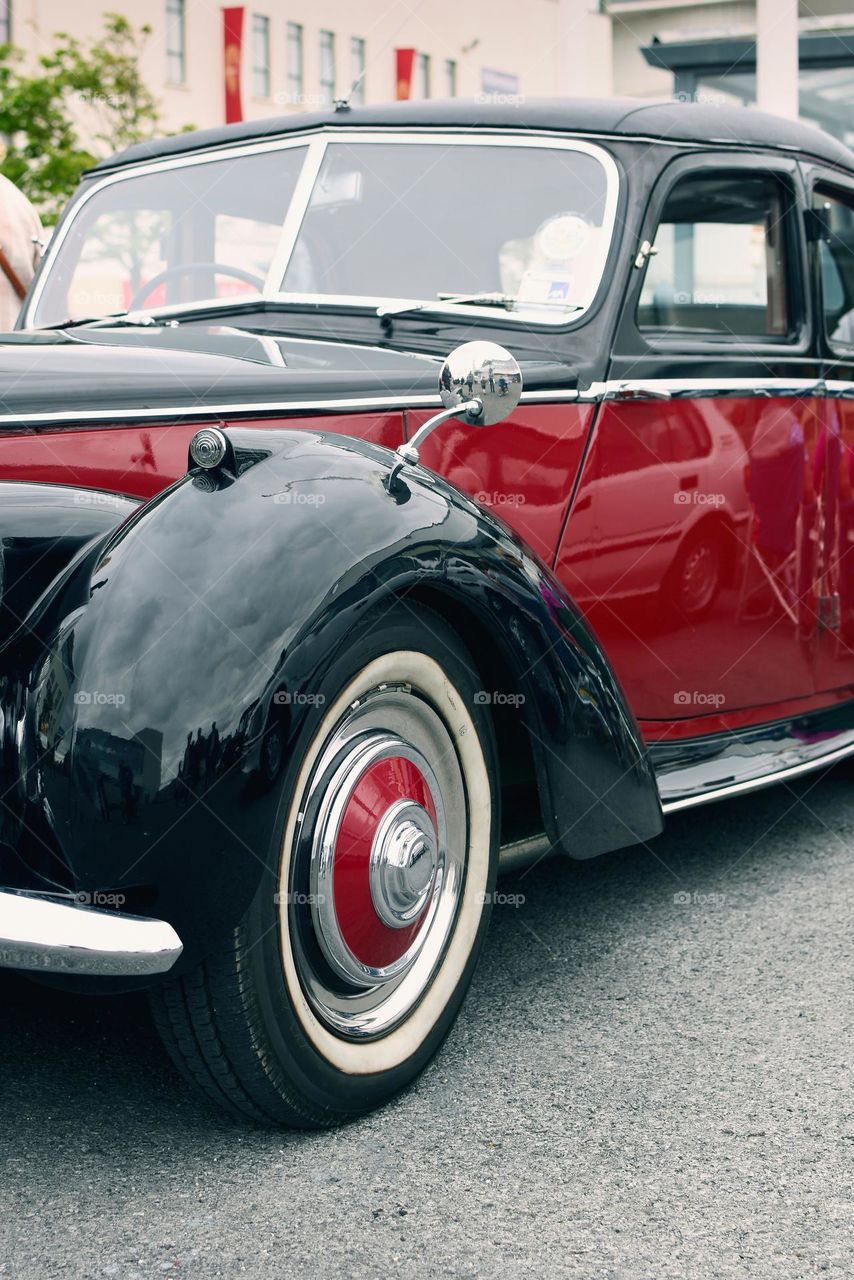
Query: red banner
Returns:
{"type": "Point", "coordinates": [405, 66]}
{"type": "Point", "coordinates": [233, 36]}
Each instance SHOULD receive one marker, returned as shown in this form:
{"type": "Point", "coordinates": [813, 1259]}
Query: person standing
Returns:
{"type": "Point", "coordinates": [20, 245]}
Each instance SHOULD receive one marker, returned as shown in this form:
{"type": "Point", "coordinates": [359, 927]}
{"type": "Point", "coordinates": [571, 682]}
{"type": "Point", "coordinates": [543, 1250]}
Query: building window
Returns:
{"type": "Point", "coordinates": [422, 75]}
{"type": "Point", "coordinates": [327, 65]}
{"type": "Point", "coordinates": [295, 72]}
{"type": "Point", "coordinates": [450, 78]}
{"type": "Point", "coordinates": [260, 55]}
{"type": "Point", "coordinates": [357, 70]}
{"type": "Point", "coordinates": [5, 21]}
{"type": "Point", "coordinates": [176, 41]}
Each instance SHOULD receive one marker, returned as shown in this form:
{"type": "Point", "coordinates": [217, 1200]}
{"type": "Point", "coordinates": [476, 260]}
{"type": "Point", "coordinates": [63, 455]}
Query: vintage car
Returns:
{"type": "Point", "coordinates": [392, 494]}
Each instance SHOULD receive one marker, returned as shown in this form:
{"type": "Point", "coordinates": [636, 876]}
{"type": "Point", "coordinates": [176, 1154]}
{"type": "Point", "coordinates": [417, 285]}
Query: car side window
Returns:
{"type": "Point", "coordinates": [719, 269]}
{"type": "Point", "coordinates": [836, 260]}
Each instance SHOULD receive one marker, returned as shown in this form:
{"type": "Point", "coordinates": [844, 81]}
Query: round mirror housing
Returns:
{"type": "Point", "coordinates": [485, 372]}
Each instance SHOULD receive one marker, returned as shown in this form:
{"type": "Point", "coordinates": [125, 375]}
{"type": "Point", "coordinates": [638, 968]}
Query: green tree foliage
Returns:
{"type": "Point", "coordinates": [82, 102]}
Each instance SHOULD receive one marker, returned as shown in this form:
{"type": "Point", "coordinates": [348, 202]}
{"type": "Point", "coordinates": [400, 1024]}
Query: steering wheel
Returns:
{"type": "Point", "coordinates": [193, 268]}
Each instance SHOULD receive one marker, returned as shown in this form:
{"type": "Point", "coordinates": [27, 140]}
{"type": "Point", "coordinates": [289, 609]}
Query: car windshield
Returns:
{"type": "Point", "coordinates": [372, 221]}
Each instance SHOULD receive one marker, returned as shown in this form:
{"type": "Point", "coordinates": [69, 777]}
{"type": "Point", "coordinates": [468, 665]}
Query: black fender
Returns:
{"type": "Point", "coordinates": [44, 530]}
{"type": "Point", "coordinates": [169, 662]}
{"type": "Point", "coordinates": [42, 526]}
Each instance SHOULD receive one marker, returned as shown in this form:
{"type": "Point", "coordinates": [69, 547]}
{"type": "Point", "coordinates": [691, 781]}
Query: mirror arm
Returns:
{"type": "Point", "coordinates": [408, 451]}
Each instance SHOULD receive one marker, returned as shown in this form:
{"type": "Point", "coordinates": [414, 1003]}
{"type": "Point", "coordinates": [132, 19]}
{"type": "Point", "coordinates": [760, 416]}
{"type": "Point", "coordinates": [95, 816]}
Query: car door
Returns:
{"type": "Point", "coordinates": [715, 373]}
{"type": "Point", "coordinates": [832, 225]}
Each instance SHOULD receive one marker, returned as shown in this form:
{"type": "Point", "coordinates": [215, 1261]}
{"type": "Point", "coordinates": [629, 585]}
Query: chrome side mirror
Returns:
{"type": "Point", "coordinates": [485, 373]}
{"type": "Point", "coordinates": [480, 382]}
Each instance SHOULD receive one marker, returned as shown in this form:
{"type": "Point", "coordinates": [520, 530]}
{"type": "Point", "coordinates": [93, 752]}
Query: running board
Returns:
{"type": "Point", "coordinates": [731, 764]}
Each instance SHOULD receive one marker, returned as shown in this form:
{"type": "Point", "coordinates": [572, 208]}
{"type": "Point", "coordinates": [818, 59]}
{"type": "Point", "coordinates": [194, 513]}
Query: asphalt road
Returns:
{"type": "Point", "coordinates": [640, 1086]}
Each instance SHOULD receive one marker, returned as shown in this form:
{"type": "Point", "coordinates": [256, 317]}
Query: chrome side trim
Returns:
{"type": "Point", "coordinates": [731, 765]}
{"type": "Point", "coordinates": [693, 388]}
{"type": "Point", "coordinates": [755, 784]}
{"type": "Point", "coordinates": [358, 404]}
{"type": "Point", "coordinates": [703, 388]}
{"type": "Point", "coordinates": [48, 935]}
{"type": "Point", "coordinates": [192, 411]}
{"type": "Point", "coordinates": [568, 396]}
{"type": "Point", "coordinates": [839, 389]}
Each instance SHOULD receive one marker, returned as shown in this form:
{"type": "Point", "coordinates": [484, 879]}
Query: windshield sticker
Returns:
{"type": "Point", "coordinates": [543, 288]}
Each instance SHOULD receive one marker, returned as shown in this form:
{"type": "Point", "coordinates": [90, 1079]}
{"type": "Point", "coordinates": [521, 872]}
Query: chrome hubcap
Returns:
{"type": "Point", "coordinates": [379, 862]}
{"type": "Point", "coordinates": [368, 876]}
{"type": "Point", "coordinates": [404, 858]}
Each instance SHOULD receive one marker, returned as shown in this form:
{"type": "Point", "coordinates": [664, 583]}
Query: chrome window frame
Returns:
{"type": "Point", "coordinates": [820, 180]}
{"type": "Point", "coordinates": [28, 316]}
{"type": "Point", "coordinates": [316, 142]}
{"type": "Point", "coordinates": [715, 158]}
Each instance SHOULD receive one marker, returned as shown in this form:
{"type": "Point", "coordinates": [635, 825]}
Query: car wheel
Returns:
{"type": "Point", "coordinates": [697, 573]}
{"type": "Point", "coordinates": [351, 964]}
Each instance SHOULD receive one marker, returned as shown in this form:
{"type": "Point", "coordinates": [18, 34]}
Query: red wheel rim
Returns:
{"type": "Point", "coordinates": [381, 786]}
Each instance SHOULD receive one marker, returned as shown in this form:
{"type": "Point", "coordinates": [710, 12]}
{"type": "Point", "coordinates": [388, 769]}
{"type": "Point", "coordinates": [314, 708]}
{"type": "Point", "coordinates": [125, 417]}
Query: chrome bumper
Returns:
{"type": "Point", "coordinates": [53, 936]}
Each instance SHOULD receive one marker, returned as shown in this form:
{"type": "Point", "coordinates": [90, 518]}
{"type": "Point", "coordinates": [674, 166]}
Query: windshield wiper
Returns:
{"type": "Point", "coordinates": [171, 316]}
{"type": "Point", "coordinates": [139, 319]}
{"type": "Point", "coordinates": [503, 300]}
{"type": "Point", "coordinates": [506, 301]}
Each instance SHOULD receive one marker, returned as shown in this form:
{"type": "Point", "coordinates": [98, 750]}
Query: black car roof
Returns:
{"type": "Point", "coordinates": [677, 122]}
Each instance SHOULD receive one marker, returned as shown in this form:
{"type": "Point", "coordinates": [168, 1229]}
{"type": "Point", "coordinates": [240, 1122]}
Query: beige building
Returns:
{"type": "Point", "coordinates": [299, 54]}
{"type": "Point", "coordinates": [294, 55]}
